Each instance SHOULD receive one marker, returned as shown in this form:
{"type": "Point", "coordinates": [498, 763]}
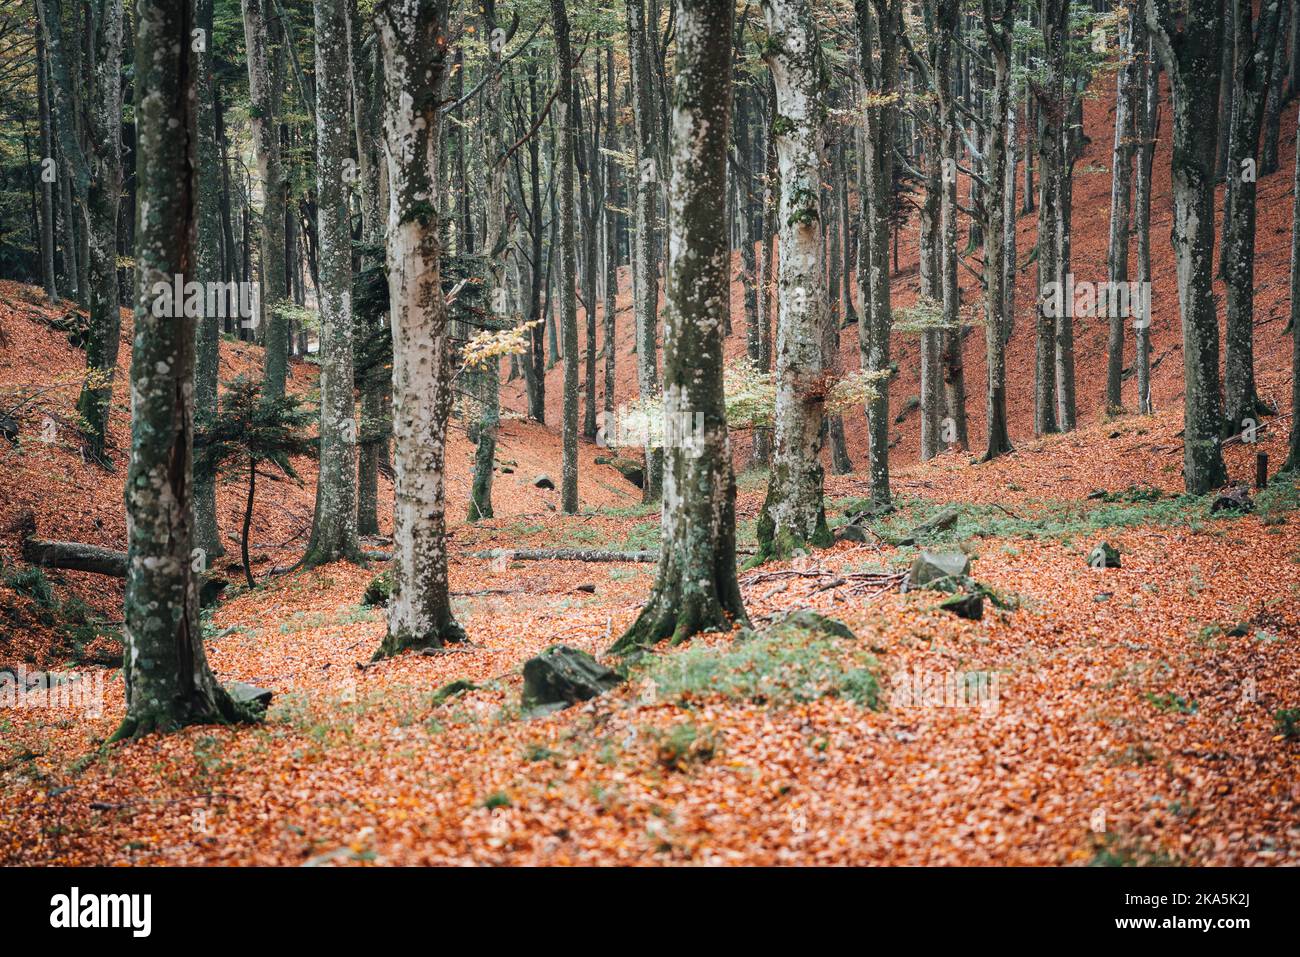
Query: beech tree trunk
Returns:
{"type": "Point", "coordinates": [873, 258]}
{"type": "Point", "coordinates": [95, 175]}
{"type": "Point", "coordinates": [1191, 58]}
{"type": "Point", "coordinates": [168, 682]}
{"type": "Point", "coordinates": [334, 524]}
{"type": "Point", "coordinates": [645, 236]}
{"type": "Point", "coordinates": [1126, 87]}
{"type": "Point", "coordinates": [793, 515]}
{"type": "Point", "coordinates": [696, 589]}
{"type": "Point", "coordinates": [999, 17]}
{"type": "Point", "coordinates": [413, 40]}
{"type": "Point", "coordinates": [567, 316]}
{"type": "Point", "coordinates": [496, 245]}
{"type": "Point", "coordinates": [1147, 120]}
{"type": "Point", "coordinates": [263, 107]}
{"type": "Point", "coordinates": [1252, 71]}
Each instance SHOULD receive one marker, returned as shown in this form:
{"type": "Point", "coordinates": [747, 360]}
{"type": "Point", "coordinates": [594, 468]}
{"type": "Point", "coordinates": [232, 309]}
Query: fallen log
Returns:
{"type": "Point", "coordinates": [81, 557]}
{"type": "Point", "coordinates": [74, 556]}
{"type": "Point", "coordinates": [566, 555]}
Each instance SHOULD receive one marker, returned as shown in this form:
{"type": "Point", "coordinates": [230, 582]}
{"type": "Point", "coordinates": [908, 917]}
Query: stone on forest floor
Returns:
{"type": "Point", "coordinates": [248, 695]}
{"type": "Point", "coordinates": [805, 619]}
{"type": "Point", "coordinates": [965, 606]}
{"type": "Point", "coordinates": [940, 522]}
{"type": "Point", "coordinates": [1233, 500]}
{"type": "Point", "coordinates": [938, 569]}
{"type": "Point", "coordinates": [543, 481]}
{"type": "Point", "coordinates": [852, 533]}
{"type": "Point", "coordinates": [561, 676]}
{"type": "Point", "coordinates": [630, 469]}
{"type": "Point", "coordinates": [1104, 555]}
{"type": "Point", "coordinates": [378, 591]}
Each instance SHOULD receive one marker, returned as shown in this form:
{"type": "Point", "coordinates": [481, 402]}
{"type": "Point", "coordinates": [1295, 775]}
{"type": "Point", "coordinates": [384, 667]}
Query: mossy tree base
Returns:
{"type": "Point", "coordinates": [394, 643]}
{"type": "Point", "coordinates": [158, 717]}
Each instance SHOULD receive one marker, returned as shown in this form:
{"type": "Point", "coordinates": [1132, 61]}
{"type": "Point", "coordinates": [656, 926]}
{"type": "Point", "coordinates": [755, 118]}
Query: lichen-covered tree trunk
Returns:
{"type": "Point", "coordinates": [1053, 224]}
{"type": "Point", "coordinates": [95, 175]}
{"type": "Point", "coordinates": [1147, 120]}
{"type": "Point", "coordinates": [1293, 457]}
{"type": "Point", "coordinates": [496, 243]}
{"type": "Point", "coordinates": [953, 431]}
{"type": "Point", "coordinates": [1191, 58]}
{"type": "Point", "coordinates": [999, 18]}
{"type": "Point", "coordinates": [610, 329]}
{"type": "Point", "coordinates": [207, 263]}
{"type": "Point", "coordinates": [873, 258]}
{"type": "Point", "coordinates": [762, 450]}
{"type": "Point", "coordinates": [1252, 71]}
{"type": "Point", "coordinates": [567, 315]}
{"type": "Point", "coordinates": [334, 524]}
{"type": "Point", "coordinates": [1126, 89]}
{"type": "Point", "coordinates": [48, 276]}
{"type": "Point", "coordinates": [413, 40]}
{"type": "Point", "coordinates": [793, 515]}
{"type": "Point", "coordinates": [696, 589]}
{"type": "Point", "coordinates": [266, 147]}
{"type": "Point", "coordinates": [168, 682]}
{"type": "Point", "coordinates": [645, 236]}
{"type": "Point", "coordinates": [372, 428]}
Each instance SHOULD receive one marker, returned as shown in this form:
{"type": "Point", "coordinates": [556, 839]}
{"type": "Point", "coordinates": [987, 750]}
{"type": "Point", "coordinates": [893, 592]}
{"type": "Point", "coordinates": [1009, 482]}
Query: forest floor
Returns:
{"type": "Point", "coordinates": [1132, 717]}
{"type": "Point", "coordinates": [1129, 715]}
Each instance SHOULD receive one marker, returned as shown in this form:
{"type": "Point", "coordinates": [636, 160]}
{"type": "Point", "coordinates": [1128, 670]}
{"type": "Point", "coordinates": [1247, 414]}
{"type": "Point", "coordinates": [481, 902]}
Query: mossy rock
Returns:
{"type": "Point", "coordinates": [378, 591]}
{"type": "Point", "coordinates": [1104, 555]}
{"type": "Point", "coordinates": [630, 469]}
{"type": "Point", "coordinates": [805, 619]}
{"type": "Point", "coordinates": [942, 571]}
{"type": "Point", "coordinates": [561, 676]}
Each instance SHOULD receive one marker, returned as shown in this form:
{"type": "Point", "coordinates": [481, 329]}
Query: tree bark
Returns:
{"type": "Point", "coordinates": [645, 236]}
{"type": "Point", "coordinates": [1191, 58]}
{"type": "Point", "coordinates": [413, 40]}
{"type": "Point", "coordinates": [262, 96]}
{"type": "Point", "coordinates": [696, 589]}
{"type": "Point", "coordinates": [334, 524]}
{"type": "Point", "coordinates": [567, 315]}
{"type": "Point", "coordinates": [168, 682]}
{"type": "Point", "coordinates": [793, 515]}
{"type": "Point", "coordinates": [1252, 72]}
{"type": "Point", "coordinates": [95, 176]}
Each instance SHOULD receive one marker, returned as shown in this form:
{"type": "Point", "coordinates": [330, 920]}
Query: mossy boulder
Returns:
{"type": "Point", "coordinates": [942, 571]}
{"type": "Point", "coordinates": [561, 676]}
{"type": "Point", "coordinates": [378, 591]}
{"type": "Point", "coordinates": [805, 619]}
{"type": "Point", "coordinates": [1104, 555]}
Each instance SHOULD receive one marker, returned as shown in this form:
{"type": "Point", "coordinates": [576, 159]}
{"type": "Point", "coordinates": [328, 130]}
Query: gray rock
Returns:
{"type": "Point", "coordinates": [543, 481]}
{"type": "Point", "coordinates": [805, 619]}
{"type": "Point", "coordinates": [561, 676]}
{"type": "Point", "coordinates": [853, 533]}
{"type": "Point", "coordinates": [938, 569]}
{"type": "Point", "coordinates": [965, 606]}
{"type": "Point", "coordinates": [248, 695]}
{"type": "Point", "coordinates": [941, 522]}
{"type": "Point", "coordinates": [1104, 555]}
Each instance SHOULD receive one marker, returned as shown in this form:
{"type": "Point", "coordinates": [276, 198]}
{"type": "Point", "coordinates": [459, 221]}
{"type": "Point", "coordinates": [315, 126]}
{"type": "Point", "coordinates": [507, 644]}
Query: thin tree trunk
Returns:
{"type": "Point", "coordinates": [567, 315]}
{"type": "Point", "coordinates": [262, 94]}
{"type": "Point", "coordinates": [334, 525]}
